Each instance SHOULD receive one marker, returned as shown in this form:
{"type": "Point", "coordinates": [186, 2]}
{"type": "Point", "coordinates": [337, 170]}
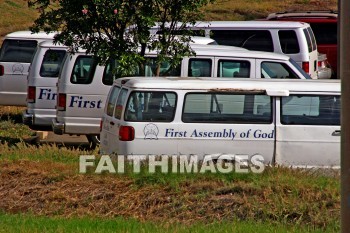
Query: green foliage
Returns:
{"type": "Point", "coordinates": [120, 30]}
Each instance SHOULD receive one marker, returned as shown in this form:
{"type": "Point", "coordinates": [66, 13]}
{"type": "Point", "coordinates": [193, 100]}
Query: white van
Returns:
{"type": "Point", "coordinates": [83, 85]}
{"type": "Point", "coordinates": [288, 122]}
{"type": "Point", "coordinates": [295, 39]}
{"type": "Point", "coordinates": [42, 85]}
{"type": "Point", "coordinates": [16, 55]}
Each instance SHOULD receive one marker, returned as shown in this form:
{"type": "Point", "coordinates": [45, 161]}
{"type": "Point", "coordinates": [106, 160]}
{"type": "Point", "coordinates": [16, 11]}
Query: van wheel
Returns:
{"type": "Point", "coordinates": [94, 140]}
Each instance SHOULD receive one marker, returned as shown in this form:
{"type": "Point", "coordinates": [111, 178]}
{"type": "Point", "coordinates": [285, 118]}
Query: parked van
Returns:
{"type": "Point", "coordinates": [16, 55]}
{"type": "Point", "coordinates": [288, 122]}
{"type": "Point", "coordinates": [295, 39]}
{"type": "Point", "coordinates": [42, 85]}
{"type": "Point", "coordinates": [324, 24]}
{"type": "Point", "coordinates": [83, 85]}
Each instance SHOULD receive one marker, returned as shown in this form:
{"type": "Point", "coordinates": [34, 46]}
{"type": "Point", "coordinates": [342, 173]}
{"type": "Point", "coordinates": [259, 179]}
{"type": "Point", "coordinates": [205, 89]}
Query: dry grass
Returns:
{"type": "Point", "coordinates": [15, 15]}
{"type": "Point", "coordinates": [56, 189]}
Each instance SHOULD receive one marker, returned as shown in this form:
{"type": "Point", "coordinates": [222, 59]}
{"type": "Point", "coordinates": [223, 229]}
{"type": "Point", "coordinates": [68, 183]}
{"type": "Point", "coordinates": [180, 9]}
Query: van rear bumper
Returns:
{"type": "Point", "coordinates": [27, 118]}
{"type": "Point", "coordinates": [57, 127]}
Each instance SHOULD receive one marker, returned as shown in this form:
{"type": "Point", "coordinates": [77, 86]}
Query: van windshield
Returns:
{"type": "Point", "coordinates": [17, 50]}
{"type": "Point", "coordinates": [307, 76]}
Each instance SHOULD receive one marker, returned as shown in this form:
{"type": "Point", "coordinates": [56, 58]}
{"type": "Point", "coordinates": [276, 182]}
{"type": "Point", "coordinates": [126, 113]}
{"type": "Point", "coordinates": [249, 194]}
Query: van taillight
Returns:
{"type": "Point", "coordinates": [101, 123]}
{"type": "Point", "coordinates": [321, 64]}
{"type": "Point", "coordinates": [61, 102]}
{"type": "Point", "coordinates": [2, 70]}
{"type": "Point", "coordinates": [126, 133]}
{"type": "Point", "coordinates": [31, 95]}
{"type": "Point", "coordinates": [306, 66]}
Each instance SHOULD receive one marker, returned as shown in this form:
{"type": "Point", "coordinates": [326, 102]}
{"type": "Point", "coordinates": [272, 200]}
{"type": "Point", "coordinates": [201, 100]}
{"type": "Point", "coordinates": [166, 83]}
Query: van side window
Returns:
{"type": "Point", "coordinates": [108, 75]}
{"type": "Point", "coordinates": [313, 40]}
{"type": "Point", "coordinates": [111, 100]}
{"type": "Point", "coordinates": [149, 69]}
{"type": "Point", "coordinates": [227, 108]}
{"type": "Point", "coordinates": [18, 50]}
{"type": "Point", "coordinates": [308, 40]}
{"type": "Point", "coordinates": [310, 110]}
{"type": "Point", "coordinates": [233, 68]}
{"type": "Point", "coordinates": [151, 106]}
{"type": "Point", "coordinates": [120, 104]}
{"type": "Point", "coordinates": [199, 67]}
{"type": "Point", "coordinates": [289, 41]}
{"type": "Point", "coordinates": [52, 62]}
{"type": "Point", "coordinates": [258, 40]}
{"type": "Point", "coordinates": [277, 70]}
{"type": "Point", "coordinates": [83, 70]}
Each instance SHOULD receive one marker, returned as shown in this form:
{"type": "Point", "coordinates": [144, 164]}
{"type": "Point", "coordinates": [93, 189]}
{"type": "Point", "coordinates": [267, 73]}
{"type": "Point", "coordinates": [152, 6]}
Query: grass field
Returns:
{"type": "Point", "coordinates": [44, 181]}
{"type": "Point", "coordinates": [41, 189]}
{"type": "Point", "coordinates": [18, 223]}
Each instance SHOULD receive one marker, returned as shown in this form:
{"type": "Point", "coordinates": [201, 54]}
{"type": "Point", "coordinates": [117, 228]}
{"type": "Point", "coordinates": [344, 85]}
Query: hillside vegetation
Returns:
{"type": "Point", "coordinates": [15, 14]}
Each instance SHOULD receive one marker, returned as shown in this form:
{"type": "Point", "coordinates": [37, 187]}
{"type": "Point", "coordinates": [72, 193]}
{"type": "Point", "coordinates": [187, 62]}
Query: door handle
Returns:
{"type": "Point", "coordinates": [336, 133]}
{"type": "Point", "coordinates": [111, 123]}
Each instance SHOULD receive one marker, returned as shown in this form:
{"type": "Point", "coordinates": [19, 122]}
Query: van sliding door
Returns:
{"type": "Point", "coordinates": [308, 130]}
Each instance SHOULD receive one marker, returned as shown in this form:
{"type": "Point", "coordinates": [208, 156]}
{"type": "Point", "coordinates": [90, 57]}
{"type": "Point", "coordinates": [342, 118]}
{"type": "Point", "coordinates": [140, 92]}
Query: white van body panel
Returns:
{"type": "Point", "coordinates": [42, 110]}
{"type": "Point", "coordinates": [322, 143]}
{"type": "Point", "coordinates": [13, 84]}
{"type": "Point", "coordinates": [80, 119]}
{"type": "Point", "coordinates": [295, 145]}
{"type": "Point", "coordinates": [84, 103]}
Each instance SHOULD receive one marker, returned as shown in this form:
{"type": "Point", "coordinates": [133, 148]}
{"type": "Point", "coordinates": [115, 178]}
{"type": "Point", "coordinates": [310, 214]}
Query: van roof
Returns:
{"type": "Point", "coordinates": [232, 51]}
{"type": "Point", "coordinates": [224, 51]}
{"type": "Point", "coordinates": [250, 24]}
{"type": "Point", "coordinates": [30, 35]}
{"type": "Point", "coordinates": [51, 44]}
{"type": "Point", "coordinates": [243, 25]}
{"type": "Point", "coordinates": [226, 84]}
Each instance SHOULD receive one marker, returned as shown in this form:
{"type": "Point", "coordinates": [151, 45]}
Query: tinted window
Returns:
{"type": "Point", "coordinates": [83, 70]}
{"type": "Point", "coordinates": [258, 40]}
{"type": "Point", "coordinates": [199, 67]}
{"type": "Point", "coordinates": [310, 110]}
{"type": "Point", "coordinates": [226, 108]}
{"type": "Point", "coordinates": [149, 69]}
{"type": "Point", "coordinates": [288, 41]}
{"type": "Point", "coordinates": [120, 104]}
{"type": "Point", "coordinates": [277, 70]}
{"type": "Point", "coordinates": [111, 100]}
{"type": "Point", "coordinates": [17, 50]}
{"type": "Point", "coordinates": [151, 106]}
{"type": "Point", "coordinates": [313, 40]}
{"type": "Point", "coordinates": [233, 68]}
{"type": "Point", "coordinates": [307, 76]}
{"type": "Point", "coordinates": [325, 33]}
{"type": "Point", "coordinates": [308, 40]}
{"type": "Point", "coordinates": [52, 62]}
{"type": "Point", "coordinates": [108, 75]}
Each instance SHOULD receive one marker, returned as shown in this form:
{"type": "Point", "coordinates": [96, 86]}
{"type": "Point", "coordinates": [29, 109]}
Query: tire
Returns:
{"type": "Point", "coordinates": [94, 140]}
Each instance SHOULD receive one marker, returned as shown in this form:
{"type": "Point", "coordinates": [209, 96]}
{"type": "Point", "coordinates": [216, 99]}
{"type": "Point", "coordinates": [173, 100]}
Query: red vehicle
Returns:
{"type": "Point", "coordinates": [324, 26]}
